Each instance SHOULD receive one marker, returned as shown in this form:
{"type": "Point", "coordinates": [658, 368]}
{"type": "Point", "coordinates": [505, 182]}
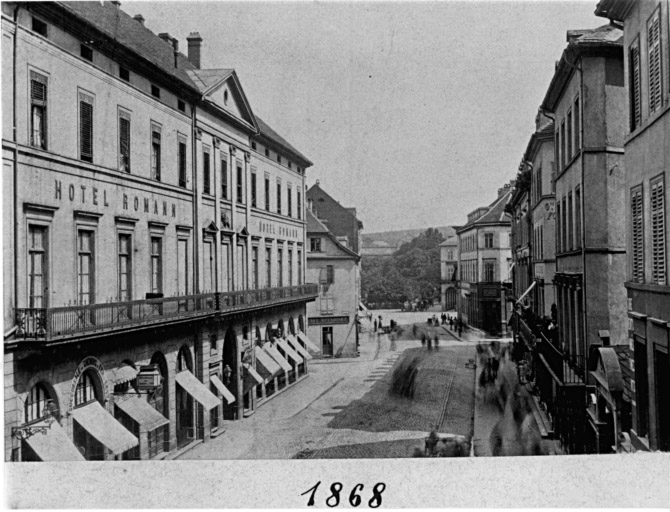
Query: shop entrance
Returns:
{"type": "Point", "coordinates": [662, 369]}
{"type": "Point", "coordinates": [229, 368]}
{"type": "Point", "coordinates": [327, 341]}
{"type": "Point", "coordinates": [185, 410]}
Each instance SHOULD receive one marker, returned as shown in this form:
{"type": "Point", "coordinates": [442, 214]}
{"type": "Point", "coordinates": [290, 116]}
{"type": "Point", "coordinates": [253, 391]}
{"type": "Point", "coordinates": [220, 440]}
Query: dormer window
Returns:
{"type": "Point", "coordinates": [181, 106]}
{"type": "Point", "coordinates": [267, 152]}
{"type": "Point", "coordinates": [253, 145]}
{"type": "Point", "coordinates": [155, 91]}
{"type": "Point", "coordinates": [124, 74]}
{"type": "Point", "coordinates": [39, 27]}
{"type": "Point", "coordinates": [279, 158]}
{"type": "Point", "coordinates": [86, 53]}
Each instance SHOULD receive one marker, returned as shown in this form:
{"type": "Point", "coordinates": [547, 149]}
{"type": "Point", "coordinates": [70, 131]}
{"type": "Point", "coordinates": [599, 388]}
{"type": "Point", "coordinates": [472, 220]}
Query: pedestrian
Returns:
{"type": "Point", "coordinates": [375, 325]}
{"type": "Point", "coordinates": [444, 318]}
{"type": "Point", "coordinates": [451, 323]}
{"type": "Point", "coordinates": [460, 327]}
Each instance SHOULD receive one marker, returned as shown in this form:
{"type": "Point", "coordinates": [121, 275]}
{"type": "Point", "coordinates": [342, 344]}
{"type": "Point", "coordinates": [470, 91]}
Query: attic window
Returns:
{"type": "Point", "coordinates": [155, 91]}
{"type": "Point", "coordinates": [124, 74]}
{"type": "Point", "coordinates": [86, 53]}
{"type": "Point", "coordinates": [279, 158]}
{"type": "Point", "coordinates": [40, 27]}
{"type": "Point", "coordinates": [253, 145]}
{"type": "Point", "coordinates": [289, 165]}
{"type": "Point", "coordinates": [267, 152]}
{"type": "Point", "coordinates": [181, 105]}
{"type": "Point", "coordinates": [225, 97]}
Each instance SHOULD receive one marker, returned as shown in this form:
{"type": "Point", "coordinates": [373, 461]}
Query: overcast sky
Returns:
{"type": "Point", "coordinates": [414, 113]}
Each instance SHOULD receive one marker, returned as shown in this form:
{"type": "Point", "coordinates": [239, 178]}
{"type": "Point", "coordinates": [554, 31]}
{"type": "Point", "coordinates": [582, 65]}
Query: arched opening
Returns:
{"type": "Point", "coordinates": [259, 336]}
{"type": "Point", "coordinates": [291, 326]}
{"type": "Point", "coordinates": [88, 389]}
{"type": "Point", "coordinates": [229, 365]}
{"type": "Point", "coordinates": [301, 323]}
{"type": "Point", "coordinates": [159, 439]}
{"type": "Point", "coordinates": [40, 404]}
{"type": "Point", "coordinates": [185, 407]}
{"type": "Point", "coordinates": [280, 329]}
{"type": "Point", "coordinates": [269, 332]}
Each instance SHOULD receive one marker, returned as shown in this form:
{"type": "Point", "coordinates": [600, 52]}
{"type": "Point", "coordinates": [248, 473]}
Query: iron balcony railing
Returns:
{"type": "Point", "coordinates": [61, 322]}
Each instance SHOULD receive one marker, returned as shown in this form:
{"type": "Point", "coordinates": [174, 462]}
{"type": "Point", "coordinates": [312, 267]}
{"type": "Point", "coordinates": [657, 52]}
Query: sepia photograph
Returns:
{"type": "Point", "coordinates": [292, 254]}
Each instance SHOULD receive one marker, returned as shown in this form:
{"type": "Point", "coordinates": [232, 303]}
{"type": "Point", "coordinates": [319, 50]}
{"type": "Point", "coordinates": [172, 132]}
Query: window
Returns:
{"type": "Point", "coordinates": [206, 188]}
{"type": "Point", "coordinates": [635, 85]}
{"type": "Point", "coordinates": [254, 194]}
{"type": "Point", "coordinates": [155, 438]}
{"type": "Point", "coordinates": [569, 135]}
{"type": "Point", "coordinates": [299, 267]}
{"type": "Point", "coordinates": [85, 127]}
{"type": "Point", "coordinates": [242, 264]}
{"type": "Point", "coordinates": [280, 267]}
{"type": "Point", "coordinates": [40, 27]}
{"type": "Point", "coordinates": [85, 267]}
{"type": "Point", "coordinates": [267, 193]}
{"type": "Point", "coordinates": [578, 127]}
{"type": "Point", "coordinates": [254, 267]}
{"type": "Point", "coordinates": [124, 141]}
{"type": "Point", "coordinates": [565, 225]}
{"type": "Point", "coordinates": [267, 152]}
{"type": "Point", "coordinates": [155, 91]}
{"type": "Point", "coordinates": [268, 267]}
{"type": "Point", "coordinates": [208, 261]}
{"type": "Point", "coordinates": [570, 222]}
{"type": "Point", "coordinates": [557, 149]}
{"type": "Point", "coordinates": [182, 162]}
{"type": "Point", "coordinates": [155, 153]}
{"type": "Point", "coordinates": [37, 267]}
{"type": "Point", "coordinates": [489, 271]}
{"type": "Point", "coordinates": [156, 264]}
{"type": "Point", "coordinates": [315, 244]}
{"type": "Point", "coordinates": [125, 268]}
{"type": "Point", "coordinates": [181, 106]}
{"type": "Point", "coordinates": [240, 183]}
{"type": "Point", "coordinates": [330, 274]}
{"type": "Point", "coordinates": [563, 156]}
{"type": "Point", "coordinates": [253, 145]}
{"type": "Point", "coordinates": [279, 197]}
{"type": "Point", "coordinates": [85, 390]}
{"type": "Point", "coordinates": [182, 267]}
{"type": "Point", "coordinates": [224, 179]}
{"type": "Point", "coordinates": [657, 201]}
{"type": "Point", "coordinates": [290, 267]}
{"type": "Point", "coordinates": [299, 206]}
{"type": "Point", "coordinates": [288, 201]}
{"type": "Point", "coordinates": [637, 234]}
{"type": "Point", "coordinates": [488, 240]}
{"type": "Point", "coordinates": [654, 54]}
{"type": "Point", "coordinates": [35, 406]}
{"type": "Point", "coordinates": [559, 226]}
{"type": "Point", "coordinates": [38, 110]}
{"type": "Point", "coordinates": [86, 52]}
{"type": "Point", "coordinates": [226, 265]}
{"type": "Point", "coordinates": [578, 218]}
{"type": "Point", "coordinates": [124, 74]}
{"type": "Point", "coordinates": [327, 305]}
{"type": "Point", "coordinates": [279, 158]}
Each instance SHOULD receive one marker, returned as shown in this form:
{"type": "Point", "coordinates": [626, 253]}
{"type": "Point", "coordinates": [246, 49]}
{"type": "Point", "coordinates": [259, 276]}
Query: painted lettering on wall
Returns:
{"type": "Point", "coordinates": [277, 229]}
{"type": "Point", "coordinates": [97, 197]}
{"type": "Point", "coordinates": [89, 362]}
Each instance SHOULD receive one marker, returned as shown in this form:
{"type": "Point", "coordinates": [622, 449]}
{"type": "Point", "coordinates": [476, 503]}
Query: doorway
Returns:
{"type": "Point", "coordinates": [327, 341]}
{"type": "Point", "coordinates": [661, 372]}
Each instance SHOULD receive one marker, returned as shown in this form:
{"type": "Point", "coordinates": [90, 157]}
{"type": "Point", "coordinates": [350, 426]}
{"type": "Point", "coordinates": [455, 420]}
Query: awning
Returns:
{"type": "Point", "coordinates": [251, 378]}
{"type": "Point", "coordinates": [143, 413]}
{"type": "Point", "coordinates": [362, 306]}
{"type": "Point", "coordinates": [223, 390]}
{"type": "Point", "coordinates": [102, 426]}
{"type": "Point", "coordinates": [298, 347]}
{"type": "Point", "coordinates": [124, 374]}
{"type": "Point", "coordinates": [265, 365]}
{"type": "Point", "coordinates": [197, 389]}
{"type": "Point", "coordinates": [254, 374]}
{"type": "Point", "coordinates": [526, 292]}
{"type": "Point", "coordinates": [310, 345]}
{"type": "Point", "coordinates": [289, 351]}
{"type": "Point", "coordinates": [54, 446]}
{"type": "Point", "coordinates": [274, 353]}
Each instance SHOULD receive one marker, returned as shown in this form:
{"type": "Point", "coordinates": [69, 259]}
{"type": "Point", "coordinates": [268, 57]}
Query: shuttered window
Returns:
{"type": "Point", "coordinates": [577, 125]}
{"type": "Point", "coordinates": [657, 201]}
{"type": "Point", "coordinates": [224, 179]}
{"type": "Point", "coordinates": [254, 192]}
{"type": "Point", "coordinates": [569, 135]}
{"type": "Point", "coordinates": [182, 163]}
{"type": "Point", "coordinates": [635, 87]}
{"type": "Point", "coordinates": [155, 153]}
{"type": "Point", "coordinates": [206, 188]}
{"type": "Point", "coordinates": [38, 110]}
{"type": "Point", "coordinates": [85, 127]}
{"type": "Point", "coordinates": [289, 202]}
{"type": "Point", "coordinates": [637, 234]}
{"type": "Point", "coordinates": [299, 207]}
{"type": "Point", "coordinates": [124, 142]}
{"type": "Point", "coordinates": [654, 53]}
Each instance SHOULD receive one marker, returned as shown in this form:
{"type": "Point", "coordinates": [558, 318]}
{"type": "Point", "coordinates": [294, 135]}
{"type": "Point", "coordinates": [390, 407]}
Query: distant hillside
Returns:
{"type": "Point", "coordinates": [397, 238]}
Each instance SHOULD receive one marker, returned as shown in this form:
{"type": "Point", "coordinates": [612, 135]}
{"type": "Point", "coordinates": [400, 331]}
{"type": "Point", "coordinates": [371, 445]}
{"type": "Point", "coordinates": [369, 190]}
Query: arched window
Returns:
{"type": "Point", "coordinates": [291, 326]}
{"type": "Point", "coordinates": [36, 404]}
{"type": "Point", "coordinates": [183, 360]}
{"type": "Point", "coordinates": [301, 323]}
{"type": "Point", "coordinates": [280, 329]}
{"type": "Point", "coordinates": [268, 332]}
{"type": "Point", "coordinates": [85, 391]}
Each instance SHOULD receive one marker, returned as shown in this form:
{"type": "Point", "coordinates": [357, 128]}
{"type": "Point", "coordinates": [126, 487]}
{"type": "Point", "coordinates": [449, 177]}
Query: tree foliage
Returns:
{"type": "Point", "coordinates": [412, 272]}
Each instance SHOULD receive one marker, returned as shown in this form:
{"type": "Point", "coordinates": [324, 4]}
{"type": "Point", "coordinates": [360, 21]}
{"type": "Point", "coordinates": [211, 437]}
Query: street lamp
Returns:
{"type": "Point", "coordinates": [227, 372]}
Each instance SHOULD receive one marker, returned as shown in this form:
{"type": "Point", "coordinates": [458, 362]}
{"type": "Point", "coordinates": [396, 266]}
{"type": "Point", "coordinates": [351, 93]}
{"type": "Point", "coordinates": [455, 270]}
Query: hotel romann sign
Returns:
{"type": "Point", "coordinates": [328, 320]}
{"type": "Point", "coordinates": [272, 228]}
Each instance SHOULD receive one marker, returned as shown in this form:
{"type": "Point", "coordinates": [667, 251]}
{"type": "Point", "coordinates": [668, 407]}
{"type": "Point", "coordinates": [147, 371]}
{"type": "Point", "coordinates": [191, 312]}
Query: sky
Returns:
{"type": "Point", "coordinates": [414, 113]}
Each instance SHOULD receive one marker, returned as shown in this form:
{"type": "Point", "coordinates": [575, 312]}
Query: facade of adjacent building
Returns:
{"type": "Point", "coordinates": [484, 261]}
{"type": "Point", "coordinates": [448, 275]}
{"type": "Point", "coordinates": [332, 318]}
{"type": "Point", "coordinates": [646, 46]}
{"type": "Point", "coordinates": [154, 241]}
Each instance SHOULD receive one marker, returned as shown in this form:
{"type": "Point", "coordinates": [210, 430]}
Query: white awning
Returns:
{"type": "Point", "coordinates": [289, 351]}
{"type": "Point", "coordinates": [310, 345]}
{"type": "Point", "coordinates": [102, 426]}
{"type": "Point", "coordinates": [298, 347]}
{"type": "Point", "coordinates": [265, 365]}
{"type": "Point", "coordinates": [54, 446]}
{"type": "Point", "coordinates": [124, 374]}
{"type": "Point", "coordinates": [139, 409]}
{"type": "Point", "coordinates": [197, 389]}
{"type": "Point", "coordinates": [223, 390]}
{"type": "Point", "coordinates": [274, 353]}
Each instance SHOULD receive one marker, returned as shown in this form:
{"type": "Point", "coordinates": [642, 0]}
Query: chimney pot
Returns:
{"type": "Point", "coordinates": [165, 37]}
{"type": "Point", "coordinates": [194, 48]}
{"type": "Point", "coordinates": [139, 18]}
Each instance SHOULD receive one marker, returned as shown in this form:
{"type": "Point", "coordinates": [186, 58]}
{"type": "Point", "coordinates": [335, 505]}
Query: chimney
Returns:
{"type": "Point", "coordinates": [165, 37]}
{"type": "Point", "coordinates": [175, 46]}
{"type": "Point", "coordinates": [194, 45]}
{"type": "Point", "coordinates": [139, 18]}
{"type": "Point", "coordinates": [116, 3]}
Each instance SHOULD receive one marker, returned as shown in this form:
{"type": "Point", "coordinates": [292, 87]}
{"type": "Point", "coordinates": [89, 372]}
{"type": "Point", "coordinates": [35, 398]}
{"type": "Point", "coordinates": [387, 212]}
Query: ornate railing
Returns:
{"type": "Point", "coordinates": [50, 323]}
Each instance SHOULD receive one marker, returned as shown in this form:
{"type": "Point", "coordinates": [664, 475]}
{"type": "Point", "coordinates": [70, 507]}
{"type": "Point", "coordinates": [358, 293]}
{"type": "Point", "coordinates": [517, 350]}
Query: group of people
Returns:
{"type": "Point", "coordinates": [379, 326]}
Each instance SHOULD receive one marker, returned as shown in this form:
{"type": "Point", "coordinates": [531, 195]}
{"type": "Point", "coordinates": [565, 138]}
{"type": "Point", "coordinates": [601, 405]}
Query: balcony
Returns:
{"type": "Point", "coordinates": [48, 324]}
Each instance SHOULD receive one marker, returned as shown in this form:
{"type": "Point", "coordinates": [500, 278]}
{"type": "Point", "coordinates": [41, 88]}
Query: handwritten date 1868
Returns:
{"type": "Point", "coordinates": [333, 500]}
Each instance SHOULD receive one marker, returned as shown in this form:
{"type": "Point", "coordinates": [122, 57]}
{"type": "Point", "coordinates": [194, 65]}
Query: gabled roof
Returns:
{"type": "Point", "coordinates": [315, 226]}
{"type": "Point", "coordinates": [266, 132]}
{"type": "Point", "coordinates": [452, 240]}
{"type": "Point", "coordinates": [317, 188]}
{"type": "Point", "coordinates": [496, 213]}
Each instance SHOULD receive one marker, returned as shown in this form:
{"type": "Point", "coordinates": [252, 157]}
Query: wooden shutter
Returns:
{"type": "Point", "coordinates": [38, 90]}
{"type": "Point", "coordinates": [635, 88]}
{"type": "Point", "coordinates": [637, 235]}
{"type": "Point", "coordinates": [658, 231]}
{"type": "Point", "coordinates": [124, 143]}
{"type": "Point", "coordinates": [86, 128]}
{"type": "Point", "coordinates": [654, 51]}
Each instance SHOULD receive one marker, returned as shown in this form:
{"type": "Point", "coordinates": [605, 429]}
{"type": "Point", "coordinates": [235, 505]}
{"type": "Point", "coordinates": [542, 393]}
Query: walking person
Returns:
{"type": "Point", "coordinates": [460, 327]}
{"type": "Point", "coordinates": [375, 324]}
{"type": "Point", "coordinates": [451, 323]}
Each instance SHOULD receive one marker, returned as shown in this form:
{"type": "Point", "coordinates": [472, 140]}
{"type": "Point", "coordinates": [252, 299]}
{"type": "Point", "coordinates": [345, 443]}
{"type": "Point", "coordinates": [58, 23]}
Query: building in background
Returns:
{"type": "Point", "coordinates": [646, 44]}
{"type": "Point", "coordinates": [448, 275]}
{"type": "Point", "coordinates": [332, 318]}
{"type": "Point", "coordinates": [484, 261]}
{"type": "Point", "coordinates": [154, 286]}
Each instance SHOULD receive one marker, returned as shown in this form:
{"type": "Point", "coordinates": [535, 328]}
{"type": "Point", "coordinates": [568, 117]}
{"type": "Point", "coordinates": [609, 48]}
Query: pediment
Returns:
{"type": "Point", "coordinates": [227, 94]}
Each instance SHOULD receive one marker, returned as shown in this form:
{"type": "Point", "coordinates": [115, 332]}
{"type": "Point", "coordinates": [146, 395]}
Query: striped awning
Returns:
{"type": "Point", "coordinates": [265, 365]}
{"type": "Point", "coordinates": [102, 426]}
{"type": "Point", "coordinates": [289, 351]}
{"type": "Point", "coordinates": [197, 389]}
{"type": "Point", "coordinates": [54, 446]}
{"type": "Point", "coordinates": [274, 353]}
{"type": "Point", "coordinates": [222, 389]}
{"type": "Point", "coordinates": [295, 344]}
{"type": "Point", "coordinates": [310, 345]}
{"type": "Point", "coordinates": [139, 409]}
{"type": "Point", "coordinates": [124, 374]}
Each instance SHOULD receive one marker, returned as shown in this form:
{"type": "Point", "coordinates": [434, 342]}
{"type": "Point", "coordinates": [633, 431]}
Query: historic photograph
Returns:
{"type": "Point", "coordinates": [335, 230]}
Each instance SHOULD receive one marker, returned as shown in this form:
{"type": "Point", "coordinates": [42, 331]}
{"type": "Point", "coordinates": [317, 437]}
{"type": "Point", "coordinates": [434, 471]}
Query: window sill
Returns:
{"type": "Point", "coordinates": [650, 122]}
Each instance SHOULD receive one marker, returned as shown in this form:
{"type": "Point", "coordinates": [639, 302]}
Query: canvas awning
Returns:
{"type": "Point", "coordinates": [274, 353]}
{"type": "Point", "coordinates": [298, 347]}
{"type": "Point", "coordinates": [310, 345]}
{"type": "Point", "coordinates": [102, 426]}
{"type": "Point", "coordinates": [265, 365]}
{"type": "Point", "coordinates": [251, 378]}
{"type": "Point", "coordinates": [197, 389]}
{"type": "Point", "coordinates": [288, 350]}
{"type": "Point", "coordinates": [139, 409]}
{"type": "Point", "coordinates": [124, 374]}
{"type": "Point", "coordinates": [222, 389]}
{"type": "Point", "coordinates": [253, 373]}
{"type": "Point", "coordinates": [54, 446]}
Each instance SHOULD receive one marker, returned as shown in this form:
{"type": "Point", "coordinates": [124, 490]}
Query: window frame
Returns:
{"type": "Point", "coordinates": [637, 234]}
{"type": "Point", "coordinates": [42, 106]}
{"type": "Point", "coordinates": [156, 148]}
{"type": "Point", "coordinates": [129, 266]}
{"type": "Point", "coordinates": [658, 229]}
{"type": "Point", "coordinates": [206, 170]}
{"type": "Point", "coordinates": [182, 160]}
{"type": "Point", "coordinates": [124, 115]}
{"type": "Point", "coordinates": [655, 98]}
{"type": "Point", "coordinates": [86, 98]}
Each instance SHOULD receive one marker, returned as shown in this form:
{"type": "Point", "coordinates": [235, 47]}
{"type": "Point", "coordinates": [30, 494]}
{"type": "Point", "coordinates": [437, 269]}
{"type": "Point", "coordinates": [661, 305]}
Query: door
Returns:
{"type": "Point", "coordinates": [662, 367]}
{"type": "Point", "coordinates": [491, 317]}
{"type": "Point", "coordinates": [327, 341]}
{"type": "Point", "coordinates": [185, 430]}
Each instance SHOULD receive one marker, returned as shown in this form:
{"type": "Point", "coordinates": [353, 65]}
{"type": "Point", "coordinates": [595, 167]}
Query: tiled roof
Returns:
{"type": "Point", "coordinates": [314, 225]}
{"type": "Point", "coordinates": [452, 240]}
{"type": "Point", "coordinates": [206, 78]}
{"type": "Point", "coordinates": [268, 132]}
{"type": "Point", "coordinates": [601, 35]}
{"type": "Point", "coordinates": [120, 26]}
